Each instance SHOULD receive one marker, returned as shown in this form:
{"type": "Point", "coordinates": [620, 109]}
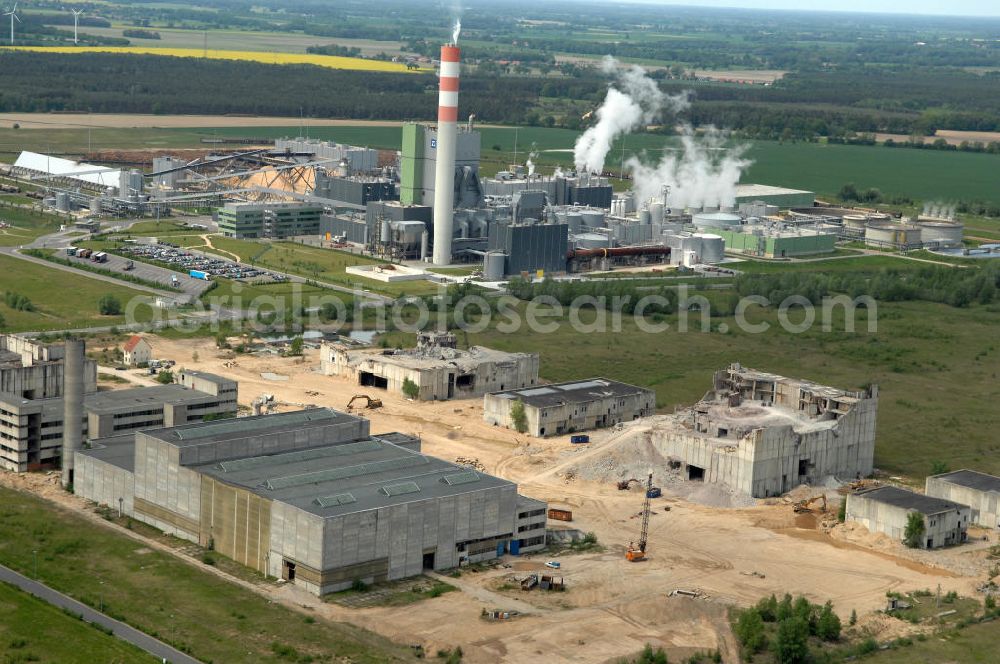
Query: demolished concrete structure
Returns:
{"type": "Point", "coordinates": [979, 491]}
{"type": "Point", "coordinates": [762, 434]}
{"type": "Point", "coordinates": [436, 366]}
{"type": "Point", "coordinates": [887, 509]}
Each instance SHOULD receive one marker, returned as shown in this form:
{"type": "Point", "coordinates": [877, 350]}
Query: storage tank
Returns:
{"type": "Point", "coordinates": [96, 205]}
{"type": "Point", "coordinates": [593, 218]}
{"type": "Point", "coordinates": [575, 221]}
{"type": "Point", "coordinates": [494, 264]}
{"type": "Point", "coordinates": [62, 202]}
{"type": "Point", "coordinates": [645, 217]}
{"type": "Point", "coordinates": [942, 232]}
{"type": "Point", "coordinates": [889, 233]}
{"type": "Point", "coordinates": [855, 222]}
{"type": "Point", "coordinates": [713, 248]}
{"type": "Point", "coordinates": [879, 217]}
{"type": "Point", "coordinates": [50, 202]}
{"type": "Point", "coordinates": [591, 241]}
{"type": "Point", "coordinates": [716, 220]}
{"type": "Point", "coordinates": [656, 213]}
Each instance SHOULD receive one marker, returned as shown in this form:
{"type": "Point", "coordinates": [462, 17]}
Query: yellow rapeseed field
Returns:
{"type": "Point", "coordinates": [330, 61]}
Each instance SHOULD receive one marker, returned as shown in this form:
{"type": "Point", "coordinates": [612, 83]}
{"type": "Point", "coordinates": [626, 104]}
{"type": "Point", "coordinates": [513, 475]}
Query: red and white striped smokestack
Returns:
{"type": "Point", "coordinates": [444, 174]}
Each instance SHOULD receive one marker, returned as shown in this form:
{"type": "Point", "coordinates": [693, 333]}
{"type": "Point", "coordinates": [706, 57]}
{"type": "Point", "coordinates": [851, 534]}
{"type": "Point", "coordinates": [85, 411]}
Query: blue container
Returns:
{"type": "Point", "coordinates": [654, 492]}
{"type": "Point", "coordinates": [198, 274]}
{"type": "Point", "coordinates": [579, 439]}
{"type": "Point", "coordinates": [501, 547]}
{"type": "Point", "coordinates": [515, 547]}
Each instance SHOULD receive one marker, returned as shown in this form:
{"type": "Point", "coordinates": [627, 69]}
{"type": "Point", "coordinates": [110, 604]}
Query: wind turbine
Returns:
{"type": "Point", "coordinates": [13, 15]}
{"type": "Point", "coordinates": [76, 24]}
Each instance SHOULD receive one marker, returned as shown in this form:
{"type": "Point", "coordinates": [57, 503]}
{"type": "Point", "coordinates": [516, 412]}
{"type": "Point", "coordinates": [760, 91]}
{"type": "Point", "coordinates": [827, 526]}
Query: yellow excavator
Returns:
{"type": "Point", "coordinates": [371, 403]}
{"type": "Point", "coordinates": [637, 552]}
{"type": "Point", "coordinates": [804, 506]}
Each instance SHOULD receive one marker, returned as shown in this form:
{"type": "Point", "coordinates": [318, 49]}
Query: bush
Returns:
{"type": "Point", "coordinates": [18, 302]}
{"type": "Point", "coordinates": [359, 586]}
{"type": "Point", "coordinates": [518, 417]}
{"type": "Point", "coordinates": [750, 631]}
{"type": "Point", "coordinates": [913, 534]}
{"type": "Point", "coordinates": [410, 389]}
{"type": "Point", "coordinates": [791, 644]}
{"type": "Point", "coordinates": [828, 624]}
{"type": "Point", "coordinates": [109, 305]}
{"type": "Point", "coordinates": [165, 377]}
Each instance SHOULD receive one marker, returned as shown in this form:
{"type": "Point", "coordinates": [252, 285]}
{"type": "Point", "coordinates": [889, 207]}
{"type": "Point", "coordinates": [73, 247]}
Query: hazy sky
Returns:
{"type": "Point", "coordinates": [944, 7]}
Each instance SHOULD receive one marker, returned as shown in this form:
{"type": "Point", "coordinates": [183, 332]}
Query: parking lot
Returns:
{"type": "Point", "coordinates": [214, 266]}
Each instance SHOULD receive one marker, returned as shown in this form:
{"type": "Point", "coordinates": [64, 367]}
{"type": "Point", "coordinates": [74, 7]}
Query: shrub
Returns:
{"type": "Point", "coordinates": [791, 644]}
{"type": "Point", "coordinates": [913, 534]}
{"type": "Point", "coordinates": [750, 631]}
{"type": "Point", "coordinates": [518, 416]}
{"type": "Point", "coordinates": [828, 624]}
{"type": "Point", "coordinates": [410, 389]}
{"type": "Point", "coordinates": [109, 305]}
{"type": "Point", "coordinates": [165, 377]}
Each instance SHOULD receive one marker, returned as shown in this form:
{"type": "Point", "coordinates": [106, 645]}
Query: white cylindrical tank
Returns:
{"type": "Point", "coordinates": [593, 218]}
{"type": "Point", "coordinates": [716, 220]}
{"type": "Point", "coordinates": [96, 205]}
{"type": "Point", "coordinates": [494, 265]}
{"type": "Point", "coordinates": [645, 217]}
{"type": "Point", "coordinates": [424, 241]}
{"type": "Point", "coordinates": [856, 222]}
{"type": "Point", "coordinates": [62, 201]}
{"type": "Point", "coordinates": [575, 221]}
{"type": "Point", "coordinates": [889, 233]}
{"type": "Point", "coordinates": [712, 248]}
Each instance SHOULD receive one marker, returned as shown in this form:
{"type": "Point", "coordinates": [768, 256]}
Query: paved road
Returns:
{"type": "Point", "coordinates": [154, 647]}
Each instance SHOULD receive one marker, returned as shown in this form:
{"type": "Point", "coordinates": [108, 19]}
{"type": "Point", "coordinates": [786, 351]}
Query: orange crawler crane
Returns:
{"type": "Point", "coordinates": [636, 553]}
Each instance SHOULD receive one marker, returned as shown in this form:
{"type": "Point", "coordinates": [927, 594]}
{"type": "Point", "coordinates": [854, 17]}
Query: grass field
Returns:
{"type": "Point", "coordinates": [936, 367]}
{"type": "Point", "coordinates": [166, 597]}
{"type": "Point", "coordinates": [63, 300]}
{"type": "Point", "coordinates": [852, 264]}
{"type": "Point", "coordinates": [34, 631]}
{"type": "Point", "coordinates": [328, 61]}
{"type": "Point", "coordinates": [976, 644]}
{"type": "Point", "coordinates": [26, 225]}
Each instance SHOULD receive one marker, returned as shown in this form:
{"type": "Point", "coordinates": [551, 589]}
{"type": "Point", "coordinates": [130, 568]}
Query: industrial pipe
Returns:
{"type": "Point", "coordinates": [73, 359]}
{"type": "Point", "coordinates": [606, 252]}
{"type": "Point", "coordinates": [447, 137]}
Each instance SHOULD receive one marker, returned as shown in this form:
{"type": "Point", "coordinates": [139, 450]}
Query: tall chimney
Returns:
{"type": "Point", "coordinates": [72, 406]}
{"type": "Point", "coordinates": [444, 175]}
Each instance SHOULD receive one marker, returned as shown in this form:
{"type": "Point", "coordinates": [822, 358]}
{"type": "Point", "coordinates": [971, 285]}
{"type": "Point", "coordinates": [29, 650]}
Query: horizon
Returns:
{"type": "Point", "coordinates": [956, 9]}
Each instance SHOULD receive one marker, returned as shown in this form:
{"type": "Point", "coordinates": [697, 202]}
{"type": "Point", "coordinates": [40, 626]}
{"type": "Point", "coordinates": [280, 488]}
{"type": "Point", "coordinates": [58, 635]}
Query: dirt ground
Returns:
{"type": "Point", "coordinates": [611, 607]}
{"type": "Point", "coordinates": [126, 120]}
{"type": "Point", "coordinates": [953, 137]}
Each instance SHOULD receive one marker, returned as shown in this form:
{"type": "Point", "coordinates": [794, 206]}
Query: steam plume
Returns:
{"type": "Point", "coordinates": [456, 30]}
{"type": "Point", "coordinates": [704, 173]}
{"type": "Point", "coordinates": [530, 164]}
{"type": "Point", "coordinates": [939, 210]}
{"type": "Point", "coordinates": [632, 101]}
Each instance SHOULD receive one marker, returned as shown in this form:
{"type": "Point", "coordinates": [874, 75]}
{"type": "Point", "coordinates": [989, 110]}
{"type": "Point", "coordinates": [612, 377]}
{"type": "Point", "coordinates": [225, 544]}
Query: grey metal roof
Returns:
{"type": "Point", "coordinates": [114, 401]}
{"type": "Point", "coordinates": [580, 391]}
{"type": "Point", "coordinates": [204, 375]}
{"type": "Point", "coordinates": [115, 450]}
{"type": "Point", "coordinates": [197, 433]}
{"type": "Point", "coordinates": [348, 477]}
{"type": "Point", "coordinates": [910, 500]}
{"type": "Point", "coordinates": [972, 479]}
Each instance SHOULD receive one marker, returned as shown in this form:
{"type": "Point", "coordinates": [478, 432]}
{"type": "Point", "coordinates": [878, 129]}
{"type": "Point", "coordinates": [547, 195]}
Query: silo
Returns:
{"type": "Point", "coordinates": [575, 221]}
{"type": "Point", "coordinates": [494, 265]}
{"type": "Point", "coordinates": [723, 220]}
{"type": "Point", "coordinates": [645, 217]}
{"type": "Point", "coordinates": [891, 234]}
{"type": "Point", "coordinates": [62, 201]}
{"type": "Point", "coordinates": [713, 248]}
{"type": "Point", "coordinates": [96, 205]}
{"type": "Point", "coordinates": [879, 217]}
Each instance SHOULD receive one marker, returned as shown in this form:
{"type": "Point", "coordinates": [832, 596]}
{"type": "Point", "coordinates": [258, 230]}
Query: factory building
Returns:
{"type": "Point", "coordinates": [886, 510]}
{"type": "Point", "coordinates": [553, 410]}
{"type": "Point", "coordinates": [530, 247]}
{"type": "Point", "coordinates": [438, 369]}
{"type": "Point", "coordinates": [311, 497]}
{"type": "Point", "coordinates": [585, 189]}
{"type": "Point", "coordinates": [358, 190]}
{"type": "Point", "coordinates": [356, 160]}
{"type": "Point", "coordinates": [269, 220]}
{"type": "Point", "coordinates": [31, 430]}
{"type": "Point", "coordinates": [775, 240]}
{"type": "Point", "coordinates": [981, 492]}
{"type": "Point", "coordinates": [418, 164]}
{"type": "Point", "coordinates": [781, 197]}
{"type": "Point", "coordinates": [66, 171]}
{"type": "Point", "coordinates": [33, 370]}
{"type": "Point", "coordinates": [764, 434]}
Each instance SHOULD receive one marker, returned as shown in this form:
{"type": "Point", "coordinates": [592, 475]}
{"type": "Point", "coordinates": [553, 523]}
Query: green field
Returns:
{"type": "Point", "coordinates": [63, 300]}
{"type": "Point", "coordinates": [935, 366]}
{"type": "Point", "coordinates": [976, 644]}
{"type": "Point", "coordinates": [35, 631]}
{"type": "Point", "coordinates": [166, 597]}
{"type": "Point", "coordinates": [26, 226]}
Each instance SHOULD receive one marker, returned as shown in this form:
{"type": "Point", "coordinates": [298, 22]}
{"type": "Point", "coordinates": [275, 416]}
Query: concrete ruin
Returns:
{"type": "Point", "coordinates": [981, 492]}
{"type": "Point", "coordinates": [553, 410]}
{"type": "Point", "coordinates": [763, 434]}
{"type": "Point", "coordinates": [887, 509]}
{"type": "Point", "coordinates": [436, 366]}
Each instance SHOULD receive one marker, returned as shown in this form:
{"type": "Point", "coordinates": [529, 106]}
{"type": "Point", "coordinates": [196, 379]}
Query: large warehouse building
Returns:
{"type": "Point", "coordinates": [438, 369]}
{"type": "Point", "coordinates": [764, 434]}
{"type": "Point", "coordinates": [553, 410]}
{"type": "Point", "coordinates": [886, 510]}
{"type": "Point", "coordinates": [981, 492]}
{"type": "Point", "coordinates": [311, 497]}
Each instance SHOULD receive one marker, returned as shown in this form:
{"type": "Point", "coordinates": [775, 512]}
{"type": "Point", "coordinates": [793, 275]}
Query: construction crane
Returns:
{"type": "Point", "coordinates": [624, 485]}
{"type": "Point", "coordinates": [636, 553]}
{"type": "Point", "coordinates": [370, 402]}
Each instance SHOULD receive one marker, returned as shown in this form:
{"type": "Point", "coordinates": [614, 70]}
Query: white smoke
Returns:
{"type": "Point", "coordinates": [703, 173]}
{"type": "Point", "coordinates": [939, 210]}
{"type": "Point", "coordinates": [456, 30]}
{"type": "Point", "coordinates": [530, 163]}
{"type": "Point", "coordinates": [632, 101]}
